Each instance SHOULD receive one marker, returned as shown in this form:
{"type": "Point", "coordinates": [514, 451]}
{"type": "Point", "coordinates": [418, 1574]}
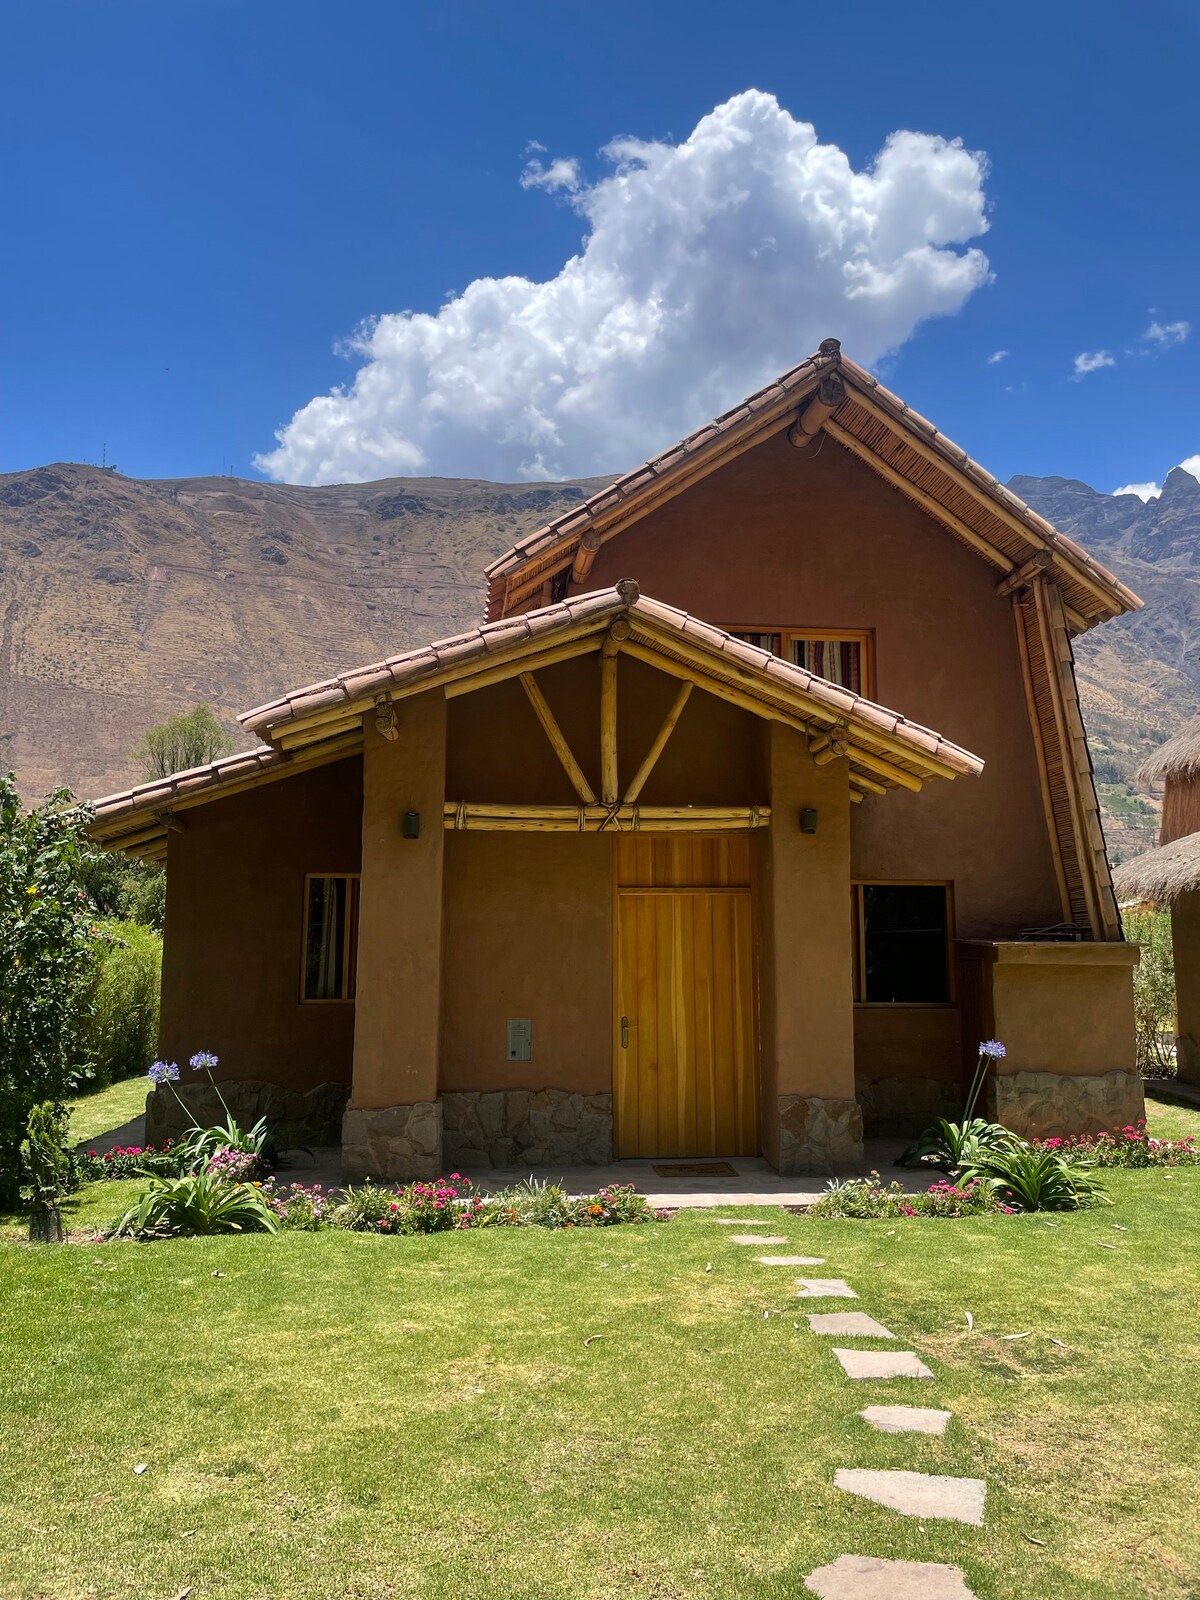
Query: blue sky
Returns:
{"type": "Point", "coordinates": [201, 200]}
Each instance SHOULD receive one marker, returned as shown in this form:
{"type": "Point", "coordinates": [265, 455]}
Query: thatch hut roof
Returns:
{"type": "Point", "coordinates": [1162, 875]}
{"type": "Point", "coordinates": [1178, 758]}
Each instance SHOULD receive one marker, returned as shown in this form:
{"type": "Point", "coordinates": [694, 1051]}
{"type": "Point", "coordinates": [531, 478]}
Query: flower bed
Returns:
{"type": "Point", "coordinates": [870, 1197]}
{"type": "Point", "coordinates": [1130, 1146]}
{"type": "Point", "coordinates": [129, 1161]}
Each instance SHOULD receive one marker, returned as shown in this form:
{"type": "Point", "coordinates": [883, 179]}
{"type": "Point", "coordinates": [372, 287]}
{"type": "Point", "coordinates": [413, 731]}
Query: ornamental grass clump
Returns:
{"type": "Point", "coordinates": [200, 1202]}
{"type": "Point", "coordinates": [1022, 1178]}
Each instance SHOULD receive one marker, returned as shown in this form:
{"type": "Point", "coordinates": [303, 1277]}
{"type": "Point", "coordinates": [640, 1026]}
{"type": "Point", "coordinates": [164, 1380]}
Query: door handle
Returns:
{"type": "Point", "coordinates": [624, 1033]}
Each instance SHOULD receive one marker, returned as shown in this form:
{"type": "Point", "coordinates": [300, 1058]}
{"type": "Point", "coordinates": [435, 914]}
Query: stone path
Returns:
{"type": "Point", "coordinates": [928, 1495]}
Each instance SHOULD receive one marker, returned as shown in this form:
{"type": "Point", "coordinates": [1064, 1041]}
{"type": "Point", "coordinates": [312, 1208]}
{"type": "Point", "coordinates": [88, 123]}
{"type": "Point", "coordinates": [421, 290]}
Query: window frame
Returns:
{"type": "Point", "coordinates": [859, 944]}
{"type": "Point", "coordinates": [863, 637]}
{"type": "Point", "coordinates": [353, 897]}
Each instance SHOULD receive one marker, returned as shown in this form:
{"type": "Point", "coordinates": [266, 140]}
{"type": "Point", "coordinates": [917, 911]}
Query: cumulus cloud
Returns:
{"type": "Point", "coordinates": [1144, 491]}
{"type": "Point", "coordinates": [1165, 334]}
{"type": "Point", "coordinates": [706, 267]}
{"type": "Point", "coordinates": [997, 356]}
{"type": "Point", "coordinates": [1091, 361]}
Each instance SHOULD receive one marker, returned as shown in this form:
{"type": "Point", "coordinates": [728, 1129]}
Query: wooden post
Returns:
{"type": "Point", "coordinates": [608, 721]}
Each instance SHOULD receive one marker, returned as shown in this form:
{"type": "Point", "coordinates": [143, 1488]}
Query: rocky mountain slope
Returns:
{"type": "Point", "coordinates": [123, 601]}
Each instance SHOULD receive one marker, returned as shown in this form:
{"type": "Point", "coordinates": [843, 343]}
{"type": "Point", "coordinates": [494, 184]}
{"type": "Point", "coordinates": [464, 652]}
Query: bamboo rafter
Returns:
{"type": "Point", "coordinates": [465, 816]}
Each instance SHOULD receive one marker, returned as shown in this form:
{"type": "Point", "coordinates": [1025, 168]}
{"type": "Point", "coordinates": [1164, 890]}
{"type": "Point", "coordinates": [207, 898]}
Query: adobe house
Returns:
{"type": "Point", "coordinates": [1170, 876]}
{"type": "Point", "coordinates": [642, 866]}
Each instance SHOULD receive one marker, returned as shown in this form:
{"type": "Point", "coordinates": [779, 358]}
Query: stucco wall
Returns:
{"type": "Point", "coordinates": [779, 538]}
{"type": "Point", "coordinates": [235, 910]}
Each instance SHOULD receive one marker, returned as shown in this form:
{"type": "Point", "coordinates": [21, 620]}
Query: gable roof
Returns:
{"type": "Point", "coordinates": [873, 424]}
{"type": "Point", "coordinates": [323, 722]}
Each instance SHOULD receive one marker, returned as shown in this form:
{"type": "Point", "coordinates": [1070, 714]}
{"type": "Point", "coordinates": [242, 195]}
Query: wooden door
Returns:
{"type": "Point", "coordinates": [686, 1075]}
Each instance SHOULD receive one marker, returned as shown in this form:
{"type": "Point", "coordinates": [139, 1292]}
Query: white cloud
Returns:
{"type": "Point", "coordinates": [707, 267]}
{"type": "Point", "coordinates": [997, 356]}
{"type": "Point", "coordinates": [1192, 465]}
{"type": "Point", "coordinates": [1167, 333]}
{"type": "Point", "coordinates": [562, 173]}
{"type": "Point", "coordinates": [1144, 491]}
{"type": "Point", "coordinates": [1091, 361]}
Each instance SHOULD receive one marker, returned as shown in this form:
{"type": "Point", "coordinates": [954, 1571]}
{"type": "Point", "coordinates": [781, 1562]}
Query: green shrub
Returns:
{"type": "Point", "coordinates": [124, 891]}
{"type": "Point", "coordinates": [1023, 1177]}
{"type": "Point", "coordinates": [1153, 991]}
{"type": "Point", "coordinates": [47, 961]}
{"type": "Point", "coordinates": [122, 1031]}
{"type": "Point", "coordinates": [200, 1202]}
{"type": "Point", "coordinates": [951, 1146]}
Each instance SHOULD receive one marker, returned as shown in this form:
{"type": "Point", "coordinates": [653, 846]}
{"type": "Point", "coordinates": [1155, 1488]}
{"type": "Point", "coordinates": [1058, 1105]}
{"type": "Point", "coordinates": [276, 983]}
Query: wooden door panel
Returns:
{"type": "Point", "coordinates": [686, 1082]}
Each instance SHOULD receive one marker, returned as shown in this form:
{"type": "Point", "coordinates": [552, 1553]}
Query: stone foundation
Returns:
{"type": "Point", "coordinates": [298, 1117]}
{"type": "Point", "coordinates": [1040, 1105]}
{"type": "Point", "coordinates": [903, 1107]}
{"type": "Point", "coordinates": [392, 1143]}
{"type": "Point", "coordinates": [819, 1135]}
{"type": "Point", "coordinates": [526, 1128]}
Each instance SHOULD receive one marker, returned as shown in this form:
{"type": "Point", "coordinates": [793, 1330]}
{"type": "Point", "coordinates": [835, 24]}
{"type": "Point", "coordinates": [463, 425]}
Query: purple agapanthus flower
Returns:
{"type": "Point", "coordinates": [992, 1048]}
{"type": "Point", "coordinates": [164, 1072]}
{"type": "Point", "coordinates": [203, 1061]}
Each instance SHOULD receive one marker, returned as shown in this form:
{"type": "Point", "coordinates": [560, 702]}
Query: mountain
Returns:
{"type": "Point", "coordinates": [1139, 676]}
{"type": "Point", "coordinates": [124, 600]}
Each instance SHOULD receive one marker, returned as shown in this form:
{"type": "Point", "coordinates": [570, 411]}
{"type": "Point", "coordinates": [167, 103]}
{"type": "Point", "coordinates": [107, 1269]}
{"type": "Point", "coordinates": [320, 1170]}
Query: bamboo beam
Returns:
{"type": "Point", "coordinates": [558, 742]}
{"type": "Point", "coordinates": [306, 737]}
{"type": "Point", "coordinates": [1035, 723]}
{"type": "Point", "coordinates": [513, 668]}
{"type": "Point", "coordinates": [856, 796]}
{"type": "Point", "coordinates": [886, 769]}
{"type": "Point", "coordinates": [1025, 573]}
{"type": "Point", "coordinates": [926, 501]}
{"type": "Point", "coordinates": [585, 555]}
{"type": "Point", "coordinates": [659, 745]}
{"type": "Point", "coordinates": [459, 816]}
{"type": "Point", "coordinates": [700, 462]}
{"type": "Point", "coordinates": [935, 458]}
{"type": "Point", "coordinates": [608, 721]}
{"type": "Point", "coordinates": [859, 780]}
{"type": "Point", "coordinates": [831, 392]}
{"type": "Point", "coordinates": [833, 751]}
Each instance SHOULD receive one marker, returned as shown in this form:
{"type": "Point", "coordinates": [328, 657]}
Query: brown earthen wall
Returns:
{"type": "Point", "coordinates": [235, 910]}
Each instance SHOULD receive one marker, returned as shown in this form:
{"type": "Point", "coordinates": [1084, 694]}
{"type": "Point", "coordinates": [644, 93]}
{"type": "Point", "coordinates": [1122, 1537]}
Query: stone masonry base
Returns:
{"type": "Point", "coordinates": [526, 1128]}
{"type": "Point", "coordinates": [819, 1135]}
{"type": "Point", "coordinates": [392, 1143]}
{"type": "Point", "coordinates": [299, 1117]}
{"type": "Point", "coordinates": [1040, 1105]}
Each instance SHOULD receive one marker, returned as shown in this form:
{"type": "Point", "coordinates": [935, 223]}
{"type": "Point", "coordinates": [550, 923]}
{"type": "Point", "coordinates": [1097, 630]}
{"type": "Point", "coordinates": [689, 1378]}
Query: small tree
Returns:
{"type": "Point", "coordinates": [188, 740]}
{"type": "Point", "coordinates": [1153, 992]}
{"type": "Point", "coordinates": [49, 1171]}
{"type": "Point", "coordinates": [47, 957]}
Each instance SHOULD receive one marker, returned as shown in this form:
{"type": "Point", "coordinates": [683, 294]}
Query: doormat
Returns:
{"type": "Point", "coordinates": [696, 1169]}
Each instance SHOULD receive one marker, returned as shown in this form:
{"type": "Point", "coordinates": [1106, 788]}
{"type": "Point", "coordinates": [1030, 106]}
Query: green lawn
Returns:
{"type": "Point", "coordinates": [367, 1418]}
{"type": "Point", "coordinates": [96, 1114]}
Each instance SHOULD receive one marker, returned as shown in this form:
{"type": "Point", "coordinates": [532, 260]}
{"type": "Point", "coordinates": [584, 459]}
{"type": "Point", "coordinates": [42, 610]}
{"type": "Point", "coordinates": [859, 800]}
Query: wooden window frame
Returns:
{"type": "Point", "coordinates": [859, 944]}
{"type": "Point", "coordinates": [863, 637]}
{"type": "Point", "coordinates": [349, 954]}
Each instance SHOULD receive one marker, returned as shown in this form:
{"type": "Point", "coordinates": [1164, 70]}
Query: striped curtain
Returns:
{"type": "Point", "coordinates": [837, 660]}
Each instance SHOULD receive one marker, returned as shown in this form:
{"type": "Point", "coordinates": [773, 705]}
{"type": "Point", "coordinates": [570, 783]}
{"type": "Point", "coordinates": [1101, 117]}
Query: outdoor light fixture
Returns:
{"type": "Point", "coordinates": [808, 819]}
{"type": "Point", "coordinates": [410, 825]}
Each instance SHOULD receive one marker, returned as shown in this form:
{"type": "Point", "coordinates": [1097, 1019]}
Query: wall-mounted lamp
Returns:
{"type": "Point", "coordinates": [808, 819]}
{"type": "Point", "coordinates": [410, 825]}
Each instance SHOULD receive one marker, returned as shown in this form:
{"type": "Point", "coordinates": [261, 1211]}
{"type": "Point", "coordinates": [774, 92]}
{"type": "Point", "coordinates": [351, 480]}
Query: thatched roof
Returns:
{"type": "Point", "coordinates": [1161, 875]}
{"type": "Point", "coordinates": [1178, 758]}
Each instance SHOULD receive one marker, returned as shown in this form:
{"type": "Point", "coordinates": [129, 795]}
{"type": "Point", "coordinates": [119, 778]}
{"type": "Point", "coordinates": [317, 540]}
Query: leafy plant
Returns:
{"type": "Point", "coordinates": [47, 959]}
{"type": "Point", "coordinates": [951, 1146]}
{"type": "Point", "coordinates": [125, 891]}
{"type": "Point", "coordinates": [1023, 1177]}
{"type": "Point", "coordinates": [533, 1203]}
{"type": "Point", "coordinates": [123, 1026]}
{"type": "Point", "coordinates": [1153, 992]}
{"type": "Point", "coordinates": [49, 1171]}
{"type": "Point", "coordinates": [200, 1202]}
{"type": "Point", "coordinates": [199, 1145]}
{"type": "Point", "coordinates": [1130, 1146]}
{"type": "Point", "coordinates": [866, 1198]}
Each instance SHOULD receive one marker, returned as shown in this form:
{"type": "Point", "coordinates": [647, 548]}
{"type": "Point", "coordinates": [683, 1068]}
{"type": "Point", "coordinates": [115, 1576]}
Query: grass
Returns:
{"type": "Point", "coordinates": [383, 1419]}
{"type": "Point", "coordinates": [95, 1114]}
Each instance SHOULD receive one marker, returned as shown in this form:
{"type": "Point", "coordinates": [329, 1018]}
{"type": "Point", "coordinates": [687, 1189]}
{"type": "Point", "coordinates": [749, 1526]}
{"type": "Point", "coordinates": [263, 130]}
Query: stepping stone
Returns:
{"type": "Point", "coordinates": [882, 1364]}
{"type": "Point", "coordinates": [849, 1324]}
{"type": "Point", "coordinates": [757, 1238]}
{"type": "Point", "coordinates": [739, 1222]}
{"type": "Point", "coordinates": [824, 1289]}
{"type": "Point", "coordinates": [791, 1261]}
{"type": "Point", "coordinates": [917, 1494]}
{"type": "Point", "coordinates": [869, 1578]}
{"type": "Point", "coordinates": [905, 1419]}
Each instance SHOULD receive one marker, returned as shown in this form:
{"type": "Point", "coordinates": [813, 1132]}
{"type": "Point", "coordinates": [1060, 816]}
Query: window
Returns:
{"type": "Point", "coordinates": [840, 656]}
{"type": "Point", "coordinates": [330, 936]}
{"type": "Point", "coordinates": [902, 938]}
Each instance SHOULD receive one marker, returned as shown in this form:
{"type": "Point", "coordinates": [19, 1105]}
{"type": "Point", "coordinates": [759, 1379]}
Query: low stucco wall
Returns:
{"type": "Point", "coordinates": [908, 1066]}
